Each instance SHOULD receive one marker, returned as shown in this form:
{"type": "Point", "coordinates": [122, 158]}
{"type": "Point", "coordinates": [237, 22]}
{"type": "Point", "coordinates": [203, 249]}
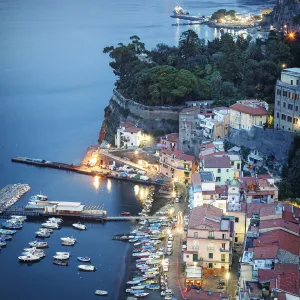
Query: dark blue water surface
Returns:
{"type": "Point", "coordinates": [54, 85]}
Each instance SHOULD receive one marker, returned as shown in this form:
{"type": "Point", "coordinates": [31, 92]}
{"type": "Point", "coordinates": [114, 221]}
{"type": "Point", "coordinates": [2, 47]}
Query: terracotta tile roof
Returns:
{"type": "Point", "coordinates": [289, 216]}
{"type": "Point", "coordinates": [270, 209]}
{"type": "Point", "coordinates": [267, 252]}
{"type": "Point", "coordinates": [246, 182]}
{"type": "Point", "coordinates": [178, 154]}
{"type": "Point", "coordinates": [222, 190]}
{"type": "Point", "coordinates": [126, 124]}
{"type": "Point", "coordinates": [205, 217]}
{"type": "Point", "coordinates": [171, 137]}
{"type": "Point", "coordinates": [254, 111]}
{"type": "Point", "coordinates": [132, 129]}
{"type": "Point", "coordinates": [287, 282]}
{"type": "Point", "coordinates": [204, 295]}
{"type": "Point", "coordinates": [265, 224]}
{"type": "Point", "coordinates": [253, 208]}
{"type": "Point", "coordinates": [220, 153]}
{"type": "Point", "coordinates": [267, 275]}
{"type": "Point", "coordinates": [284, 240]}
{"type": "Point", "coordinates": [216, 161]}
{"type": "Point", "coordinates": [264, 176]}
{"type": "Point", "coordinates": [195, 178]}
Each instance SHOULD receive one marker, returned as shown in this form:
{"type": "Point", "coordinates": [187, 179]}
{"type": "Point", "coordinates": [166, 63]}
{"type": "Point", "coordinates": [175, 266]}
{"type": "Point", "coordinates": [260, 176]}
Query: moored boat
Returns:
{"type": "Point", "coordinates": [37, 244]}
{"type": "Point", "coordinates": [60, 262]}
{"type": "Point", "coordinates": [28, 258]}
{"type": "Point", "coordinates": [79, 226]}
{"type": "Point", "coordinates": [141, 295]}
{"type": "Point", "coordinates": [101, 292]}
{"type": "Point", "coordinates": [133, 282]}
{"type": "Point", "coordinates": [89, 268]}
{"type": "Point", "coordinates": [125, 213]}
{"type": "Point", "coordinates": [84, 259]}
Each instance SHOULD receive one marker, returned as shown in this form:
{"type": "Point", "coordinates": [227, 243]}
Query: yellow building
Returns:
{"type": "Point", "coordinates": [176, 164]}
{"type": "Point", "coordinates": [247, 113]}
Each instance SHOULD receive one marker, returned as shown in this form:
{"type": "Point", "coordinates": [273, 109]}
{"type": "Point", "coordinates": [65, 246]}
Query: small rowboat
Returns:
{"type": "Point", "coordinates": [89, 268]}
{"type": "Point", "coordinates": [125, 213]}
{"type": "Point", "coordinates": [101, 293]}
{"type": "Point", "coordinates": [84, 259]}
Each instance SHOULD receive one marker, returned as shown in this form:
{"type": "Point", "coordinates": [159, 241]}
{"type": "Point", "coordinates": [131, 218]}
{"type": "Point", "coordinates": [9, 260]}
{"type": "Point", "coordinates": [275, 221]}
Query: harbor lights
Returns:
{"type": "Point", "coordinates": [96, 182]}
{"type": "Point", "coordinates": [283, 66]}
{"type": "Point", "coordinates": [291, 35]}
{"type": "Point", "coordinates": [136, 152]}
{"type": "Point", "coordinates": [171, 211]}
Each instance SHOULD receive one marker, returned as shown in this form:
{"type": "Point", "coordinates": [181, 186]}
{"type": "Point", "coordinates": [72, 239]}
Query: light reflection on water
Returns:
{"type": "Point", "coordinates": [96, 182]}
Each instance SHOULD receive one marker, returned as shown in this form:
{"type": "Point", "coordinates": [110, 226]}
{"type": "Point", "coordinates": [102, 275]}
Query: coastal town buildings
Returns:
{"type": "Point", "coordinates": [177, 165]}
{"type": "Point", "coordinates": [208, 238]}
{"type": "Point", "coordinates": [270, 261]}
{"type": "Point", "coordinates": [128, 136]}
{"type": "Point", "coordinates": [210, 148]}
{"type": "Point", "coordinates": [169, 141]}
{"type": "Point", "coordinates": [247, 113]}
{"type": "Point", "coordinates": [287, 102]}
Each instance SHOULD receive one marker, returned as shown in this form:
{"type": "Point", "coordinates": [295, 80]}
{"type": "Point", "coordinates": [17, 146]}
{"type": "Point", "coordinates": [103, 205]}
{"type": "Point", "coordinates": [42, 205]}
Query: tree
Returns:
{"type": "Point", "coordinates": [190, 44]}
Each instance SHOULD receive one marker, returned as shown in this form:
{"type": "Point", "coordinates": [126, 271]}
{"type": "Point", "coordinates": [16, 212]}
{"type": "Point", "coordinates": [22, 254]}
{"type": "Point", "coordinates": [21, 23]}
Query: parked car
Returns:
{"type": "Point", "coordinates": [170, 243]}
{"type": "Point", "coordinates": [174, 219]}
{"type": "Point", "coordinates": [183, 248]}
{"type": "Point", "coordinates": [170, 238]}
{"type": "Point", "coordinates": [185, 228]}
{"type": "Point", "coordinates": [177, 200]}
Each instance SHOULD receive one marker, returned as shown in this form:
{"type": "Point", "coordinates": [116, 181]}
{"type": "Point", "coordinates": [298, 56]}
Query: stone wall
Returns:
{"type": "Point", "coordinates": [147, 112]}
{"type": "Point", "coordinates": [269, 141]}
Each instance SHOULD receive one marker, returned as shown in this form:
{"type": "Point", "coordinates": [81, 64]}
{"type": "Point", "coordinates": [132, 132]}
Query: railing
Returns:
{"type": "Point", "coordinates": [224, 250]}
{"type": "Point", "coordinates": [211, 237]}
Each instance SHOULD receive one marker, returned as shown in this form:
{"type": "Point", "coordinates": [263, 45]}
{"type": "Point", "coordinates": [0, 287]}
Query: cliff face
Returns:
{"type": "Point", "coordinates": [286, 12]}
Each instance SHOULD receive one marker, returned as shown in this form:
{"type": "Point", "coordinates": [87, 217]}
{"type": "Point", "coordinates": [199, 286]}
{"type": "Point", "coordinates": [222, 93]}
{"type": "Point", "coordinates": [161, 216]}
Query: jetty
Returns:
{"type": "Point", "coordinates": [11, 193]}
{"type": "Point", "coordinates": [81, 169]}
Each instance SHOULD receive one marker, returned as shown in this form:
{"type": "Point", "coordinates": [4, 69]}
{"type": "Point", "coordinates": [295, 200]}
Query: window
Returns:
{"type": "Point", "coordinates": [296, 96]}
{"type": "Point", "coordinates": [223, 246]}
{"type": "Point", "coordinates": [283, 117]}
{"type": "Point", "coordinates": [223, 236]}
{"type": "Point", "coordinates": [232, 163]}
{"type": "Point", "coordinates": [296, 121]}
{"type": "Point", "coordinates": [278, 115]}
{"type": "Point", "coordinates": [236, 239]}
{"type": "Point", "coordinates": [289, 119]}
{"type": "Point", "coordinates": [195, 234]}
{"type": "Point", "coordinates": [210, 265]}
{"type": "Point", "coordinates": [223, 257]}
{"type": "Point", "coordinates": [236, 219]}
{"type": "Point", "coordinates": [290, 106]}
{"type": "Point", "coordinates": [211, 235]}
{"type": "Point", "coordinates": [284, 93]}
{"type": "Point", "coordinates": [278, 92]}
{"type": "Point", "coordinates": [187, 256]}
{"type": "Point", "coordinates": [284, 104]}
{"type": "Point", "coordinates": [291, 95]}
{"type": "Point", "coordinates": [227, 170]}
{"type": "Point", "coordinates": [296, 108]}
{"type": "Point", "coordinates": [218, 179]}
{"type": "Point", "coordinates": [278, 102]}
{"type": "Point", "coordinates": [292, 82]}
{"type": "Point", "coordinates": [210, 255]}
{"type": "Point", "coordinates": [297, 82]}
{"type": "Point", "coordinates": [219, 170]}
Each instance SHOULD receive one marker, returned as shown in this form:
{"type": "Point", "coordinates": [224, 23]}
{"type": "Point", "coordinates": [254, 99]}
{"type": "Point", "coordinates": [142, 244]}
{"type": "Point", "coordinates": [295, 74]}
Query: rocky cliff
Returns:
{"type": "Point", "coordinates": [286, 12]}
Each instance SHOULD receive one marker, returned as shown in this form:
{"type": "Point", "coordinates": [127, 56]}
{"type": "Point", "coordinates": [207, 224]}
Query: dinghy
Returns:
{"type": "Point", "coordinates": [101, 292]}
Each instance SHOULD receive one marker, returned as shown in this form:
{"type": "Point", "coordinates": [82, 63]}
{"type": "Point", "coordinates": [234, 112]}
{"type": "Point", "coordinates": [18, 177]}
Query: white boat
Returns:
{"type": "Point", "coordinates": [141, 295]}
{"type": "Point", "coordinates": [87, 268]}
{"type": "Point", "coordinates": [50, 225]}
{"type": "Point", "coordinates": [141, 254]}
{"type": "Point", "coordinates": [67, 243]}
{"type": "Point", "coordinates": [56, 220]}
{"type": "Point", "coordinates": [68, 239]}
{"type": "Point", "coordinates": [19, 218]}
{"type": "Point", "coordinates": [84, 259]}
{"type": "Point", "coordinates": [28, 258]}
{"type": "Point", "coordinates": [63, 253]}
{"type": "Point", "coordinates": [101, 293]}
{"type": "Point", "coordinates": [38, 197]}
{"type": "Point", "coordinates": [79, 226]}
{"type": "Point", "coordinates": [33, 250]}
{"type": "Point", "coordinates": [37, 244]}
{"type": "Point", "coordinates": [38, 254]}
{"type": "Point", "coordinates": [138, 287]}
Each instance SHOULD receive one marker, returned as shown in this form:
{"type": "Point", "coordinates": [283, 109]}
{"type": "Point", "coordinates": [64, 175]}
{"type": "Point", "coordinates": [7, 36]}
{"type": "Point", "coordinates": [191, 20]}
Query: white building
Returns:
{"type": "Point", "coordinates": [128, 136]}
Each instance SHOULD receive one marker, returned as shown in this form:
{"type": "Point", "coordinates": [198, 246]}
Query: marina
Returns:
{"type": "Point", "coordinates": [11, 193]}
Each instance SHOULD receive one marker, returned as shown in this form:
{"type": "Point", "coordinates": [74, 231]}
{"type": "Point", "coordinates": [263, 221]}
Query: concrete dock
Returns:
{"type": "Point", "coordinates": [11, 193]}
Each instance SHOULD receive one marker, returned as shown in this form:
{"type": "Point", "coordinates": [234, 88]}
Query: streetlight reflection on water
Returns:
{"type": "Point", "coordinates": [141, 192]}
{"type": "Point", "coordinates": [96, 182]}
{"type": "Point", "coordinates": [108, 186]}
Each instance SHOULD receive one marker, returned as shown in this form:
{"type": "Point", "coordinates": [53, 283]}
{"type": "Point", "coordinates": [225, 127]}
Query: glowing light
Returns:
{"type": "Point", "coordinates": [291, 35]}
{"type": "Point", "coordinates": [283, 65]}
{"type": "Point", "coordinates": [171, 211]}
{"type": "Point", "coordinates": [140, 162]}
{"type": "Point", "coordinates": [93, 161]}
{"type": "Point", "coordinates": [168, 231]}
{"type": "Point", "coordinates": [227, 276]}
{"type": "Point", "coordinates": [108, 146]}
{"type": "Point", "coordinates": [136, 152]}
{"type": "Point", "coordinates": [136, 189]}
{"type": "Point", "coordinates": [173, 194]}
{"type": "Point", "coordinates": [108, 186]}
{"type": "Point", "coordinates": [96, 182]}
{"type": "Point", "coordinates": [175, 179]}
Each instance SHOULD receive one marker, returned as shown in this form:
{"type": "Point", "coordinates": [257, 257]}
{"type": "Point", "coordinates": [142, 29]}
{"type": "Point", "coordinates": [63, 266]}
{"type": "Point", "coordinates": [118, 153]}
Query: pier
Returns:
{"type": "Point", "coordinates": [11, 193]}
{"type": "Point", "coordinates": [87, 214]}
{"type": "Point", "coordinates": [79, 169]}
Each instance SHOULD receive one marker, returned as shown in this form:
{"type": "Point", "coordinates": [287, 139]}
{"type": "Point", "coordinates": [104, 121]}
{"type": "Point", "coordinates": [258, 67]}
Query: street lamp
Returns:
{"type": "Point", "coordinates": [227, 276]}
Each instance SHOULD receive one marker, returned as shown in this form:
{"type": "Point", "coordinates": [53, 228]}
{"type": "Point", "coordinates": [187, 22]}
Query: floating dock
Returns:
{"type": "Point", "coordinates": [77, 169]}
{"type": "Point", "coordinates": [11, 193]}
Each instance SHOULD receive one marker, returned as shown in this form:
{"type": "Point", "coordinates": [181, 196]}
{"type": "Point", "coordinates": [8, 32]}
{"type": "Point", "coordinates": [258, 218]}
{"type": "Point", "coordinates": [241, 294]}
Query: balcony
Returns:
{"type": "Point", "coordinates": [211, 237]}
{"type": "Point", "coordinates": [224, 250]}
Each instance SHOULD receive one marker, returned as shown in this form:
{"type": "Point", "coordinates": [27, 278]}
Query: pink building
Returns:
{"type": "Point", "coordinates": [169, 141]}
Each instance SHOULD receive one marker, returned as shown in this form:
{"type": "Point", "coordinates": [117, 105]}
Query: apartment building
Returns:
{"type": "Point", "coordinates": [248, 113]}
{"type": "Point", "coordinates": [169, 141]}
{"type": "Point", "coordinates": [287, 103]}
{"type": "Point", "coordinates": [128, 136]}
{"type": "Point", "coordinates": [176, 164]}
{"type": "Point", "coordinates": [209, 239]}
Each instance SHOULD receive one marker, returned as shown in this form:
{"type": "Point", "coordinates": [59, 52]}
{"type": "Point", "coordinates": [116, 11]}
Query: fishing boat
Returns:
{"type": "Point", "coordinates": [37, 244]}
{"type": "Point", "coordinates": [19, 218]}
{"type": "Point", "coordinates": [138, 287]}
{"type": "Point", "coordinates": [141, 254]}
{"type": "Point", "coordinates": [6, 231]}
{"type": "Point", "coordinates": [132, 240]}
{"type": "Point", "coordinates": [28, 258]}
{"type": "Point", "coordinates": [50, 225]}
{"type": "Point", "coordinates": [84, 259]}
{"type": "Point", "coordinates": [125, 213]}
{"type": "Point", "coordinates": [2, 243]}
{"type": "Point", "coordinates": [101, 293]}
{"type": "Point", "coordinates": [136, 291]}
{"type": "Point", "coordinates": [6, 237]}
{"type": "Point", "coordinates": [79, 226]}
{"type": "Point", "coordinates": [38, 197]}
{"type": "Point", "coordinates": [38, 254]}
{"type": "Point", "coordinates": [56, 220]}
{"type": "Point", "coordinates": [12, 225]}
{"type": "Point", "coordinates": [60, 262]}
{"type": "Point", "coordinates": [42, 234]}
{"type": "Point", "coordinates": [61, 257]}
{"type": "Point", "coordinates": [88, 268]}
{"type": "Point", "coordinates": [153, 287]}
{"type": "Point", "coordinates": [141, 295]}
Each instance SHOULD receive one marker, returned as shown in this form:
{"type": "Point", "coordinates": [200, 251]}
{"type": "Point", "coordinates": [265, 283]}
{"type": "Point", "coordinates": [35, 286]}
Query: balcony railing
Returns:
{"type": "Point", "coordinates": [224, 250]}
{"type": "Point", "coordinates": [211, 237]}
